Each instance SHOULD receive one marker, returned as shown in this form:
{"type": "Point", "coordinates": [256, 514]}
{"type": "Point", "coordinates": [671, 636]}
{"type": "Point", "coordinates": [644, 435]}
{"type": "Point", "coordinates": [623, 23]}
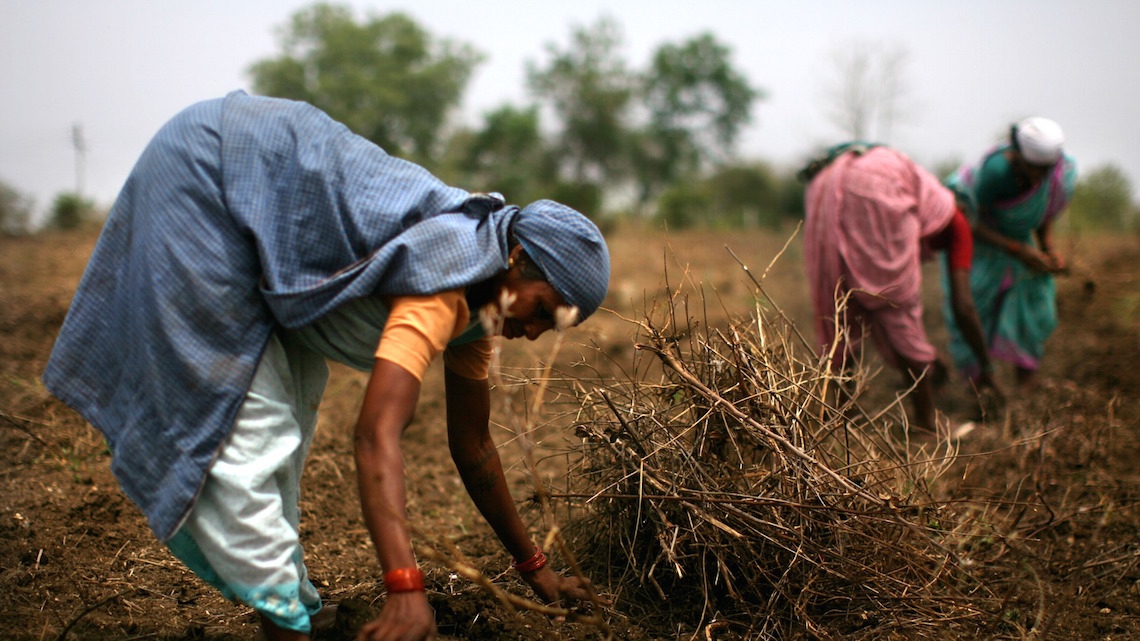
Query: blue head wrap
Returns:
{"type": "Point", "coordinates": [569, 249]}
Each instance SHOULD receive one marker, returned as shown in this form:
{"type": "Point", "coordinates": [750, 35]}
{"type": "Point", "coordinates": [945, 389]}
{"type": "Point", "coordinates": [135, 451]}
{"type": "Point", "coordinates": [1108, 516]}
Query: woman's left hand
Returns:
{"type": "Point", "coordinates": [555, 589]}
{"type": "Point", "coordinates": [1033, 258]}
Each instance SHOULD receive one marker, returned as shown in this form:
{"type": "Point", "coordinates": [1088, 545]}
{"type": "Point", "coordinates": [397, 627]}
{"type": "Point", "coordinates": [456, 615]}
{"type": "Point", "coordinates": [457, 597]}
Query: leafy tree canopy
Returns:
{"type": "Point", "coordinates": [652, 127]}
{"type": "Point", "coordinates": [509, 155]}
{"type": "Point", "coordinates": [15, 210]}
{"type": "Point", "coordinates": [589, 88]}
{"type": "Point", "coordinates": [698, 104]}
{"type": "Point", "coordinates": [734, 195]}
{"type": "Point", "coordinates": [692, 87]}
{"type": "Point", "coordinates": [71, 210]}
{"type": "Point", "coordinates": [386, 78]}
{"type": "Point", "coordinates": [1103, 200]}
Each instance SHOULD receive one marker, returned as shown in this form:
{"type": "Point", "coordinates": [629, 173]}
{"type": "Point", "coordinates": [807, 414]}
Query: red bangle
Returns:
{"type": "Point", "coordinates": [536, 562]}
{"type": "Point", "coordinates": [404, 580]}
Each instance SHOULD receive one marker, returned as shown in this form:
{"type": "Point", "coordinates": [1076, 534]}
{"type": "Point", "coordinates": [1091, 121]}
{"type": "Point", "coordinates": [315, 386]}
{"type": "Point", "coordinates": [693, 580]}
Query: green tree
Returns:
{"type": "Point", "coordinates": [589, 88]}
{"type": "Point", "coordinates": [15, 210]}
{"type": "Point", "coordinates": [659, 159]}
{"type": "Point", "coordinates": [791, 196]}
{"type": "Point", "coordinates": [509, 155]}
{"type": "Point", "coordinates": [746, 195]}
{"type": "Point", "coordinates": [697, 100]}
{"type": "Point", "coordinates": [685, 204]}
{"type": "Point", "coordinates": [697, 104]}
{"type": "Point", "coordinates": [1103, 201]}
{"type": "Point", "coordinates": [70, 210]}
{"type": "Point", "coordinates": [652, 128]}
{"type": "Point", "coordinates": [737, 195]}
{"type": "Point", "coordinates": [386, 78]}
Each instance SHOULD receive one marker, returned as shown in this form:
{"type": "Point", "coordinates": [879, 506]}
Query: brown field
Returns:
{"type": "Point", "coordinates": [77, 560]}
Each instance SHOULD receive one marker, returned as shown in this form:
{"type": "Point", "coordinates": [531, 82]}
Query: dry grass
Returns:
{"type": "Point", "coordinates": [725, 492]}
{"type": "Point", "coordinates": [712, 492]}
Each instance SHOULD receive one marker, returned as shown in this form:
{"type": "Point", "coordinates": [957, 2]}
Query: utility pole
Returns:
{"type": "Point", "coordinates": [80, 145]}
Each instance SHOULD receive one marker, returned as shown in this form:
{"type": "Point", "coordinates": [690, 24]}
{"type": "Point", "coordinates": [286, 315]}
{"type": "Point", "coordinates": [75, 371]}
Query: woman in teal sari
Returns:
{"type": "Point", "coordinates": [1012, 196]}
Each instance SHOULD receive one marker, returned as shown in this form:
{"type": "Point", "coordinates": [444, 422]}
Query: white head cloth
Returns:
{"type": "Point", "coordinates": [1040, 140]}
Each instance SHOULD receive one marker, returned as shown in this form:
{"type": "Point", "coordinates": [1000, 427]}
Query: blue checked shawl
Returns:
{"type": "Point", "coordinates": [244, 213]}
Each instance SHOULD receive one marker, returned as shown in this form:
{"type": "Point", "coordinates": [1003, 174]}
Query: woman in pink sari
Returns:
{"type": "Point", "coordinates": [872, 216]}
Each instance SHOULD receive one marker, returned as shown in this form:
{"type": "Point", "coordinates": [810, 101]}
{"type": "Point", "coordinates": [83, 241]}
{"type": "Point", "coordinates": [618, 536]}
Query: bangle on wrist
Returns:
{"type": "Point", "coordinates": [534, 563]}
{"type": "Point", "coordinates": [404, 580]}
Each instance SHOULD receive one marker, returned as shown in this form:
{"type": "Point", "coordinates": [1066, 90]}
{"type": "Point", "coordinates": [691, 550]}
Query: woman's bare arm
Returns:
{"type": "Point", "coordinates": [389, 406]}
{"type": "Point", "coordinates": [477, 459]}
{"type": "Point", "coordinates": [1033, 258]}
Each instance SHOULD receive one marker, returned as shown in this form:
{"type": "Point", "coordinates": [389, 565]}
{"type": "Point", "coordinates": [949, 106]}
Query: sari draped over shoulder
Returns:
{"type": "Point", "coordinates": [244, 214]}
{"type": "Point", "coordinates": [1016, 305]}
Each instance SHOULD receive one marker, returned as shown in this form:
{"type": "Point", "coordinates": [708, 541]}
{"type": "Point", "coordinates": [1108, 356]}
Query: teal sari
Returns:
{"type": "Point", "coordinates": [1016, 305]}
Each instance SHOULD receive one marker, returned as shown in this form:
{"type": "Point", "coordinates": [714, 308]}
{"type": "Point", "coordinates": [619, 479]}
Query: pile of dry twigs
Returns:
{"type": "Point", "coordinates": [732, 497]}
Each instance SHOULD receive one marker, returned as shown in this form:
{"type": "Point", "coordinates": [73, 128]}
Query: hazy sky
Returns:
{"type": "Point", "coordinates": [122, 68]}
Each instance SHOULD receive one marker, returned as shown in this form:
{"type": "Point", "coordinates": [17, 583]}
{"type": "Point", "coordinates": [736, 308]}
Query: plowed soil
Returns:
{"type": "Point", "coordinates": [77, 560]}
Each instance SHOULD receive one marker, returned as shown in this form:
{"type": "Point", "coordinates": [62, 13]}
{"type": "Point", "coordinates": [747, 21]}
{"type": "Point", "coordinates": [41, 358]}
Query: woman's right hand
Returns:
{"type": "Point", "coordinates": [406, 616]}
{"type": "Point", "coordinates": [1033, 258]}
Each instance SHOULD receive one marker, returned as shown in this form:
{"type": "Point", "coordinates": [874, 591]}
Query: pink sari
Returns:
{"type": "Point", "coordinates": [867, 217]}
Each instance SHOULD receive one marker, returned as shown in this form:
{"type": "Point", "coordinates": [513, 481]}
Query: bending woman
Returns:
{"type": "Point", "coordinates": [1012, 196]}
{"type": "Point", "coordinates": [873, 216]}
{"type": "Point", "coordinates": [255, 238]}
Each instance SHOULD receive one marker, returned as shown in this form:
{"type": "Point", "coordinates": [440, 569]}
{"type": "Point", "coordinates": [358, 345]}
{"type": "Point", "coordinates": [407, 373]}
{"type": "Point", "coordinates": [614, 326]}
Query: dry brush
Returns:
{"type": "Point", "coordinates": [730, 492]}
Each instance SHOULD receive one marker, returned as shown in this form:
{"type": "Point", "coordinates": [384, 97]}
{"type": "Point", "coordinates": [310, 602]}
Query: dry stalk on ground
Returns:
{"type": "Point", "coordinates": [724, 481]}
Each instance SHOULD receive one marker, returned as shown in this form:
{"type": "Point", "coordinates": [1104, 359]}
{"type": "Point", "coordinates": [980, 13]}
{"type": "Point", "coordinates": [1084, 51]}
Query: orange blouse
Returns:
{"type": "Point", "coordinates": [420, 327]}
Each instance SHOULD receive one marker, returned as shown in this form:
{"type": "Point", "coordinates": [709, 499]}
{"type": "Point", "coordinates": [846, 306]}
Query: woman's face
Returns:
{"type": "Point", "coordinates": [1026, 173]}
{"type": "Point", "coordinates": [531, 307]}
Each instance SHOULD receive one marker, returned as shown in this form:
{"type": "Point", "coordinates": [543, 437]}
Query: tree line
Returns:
{"type": "Point", "coordinates": [596, 133]}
